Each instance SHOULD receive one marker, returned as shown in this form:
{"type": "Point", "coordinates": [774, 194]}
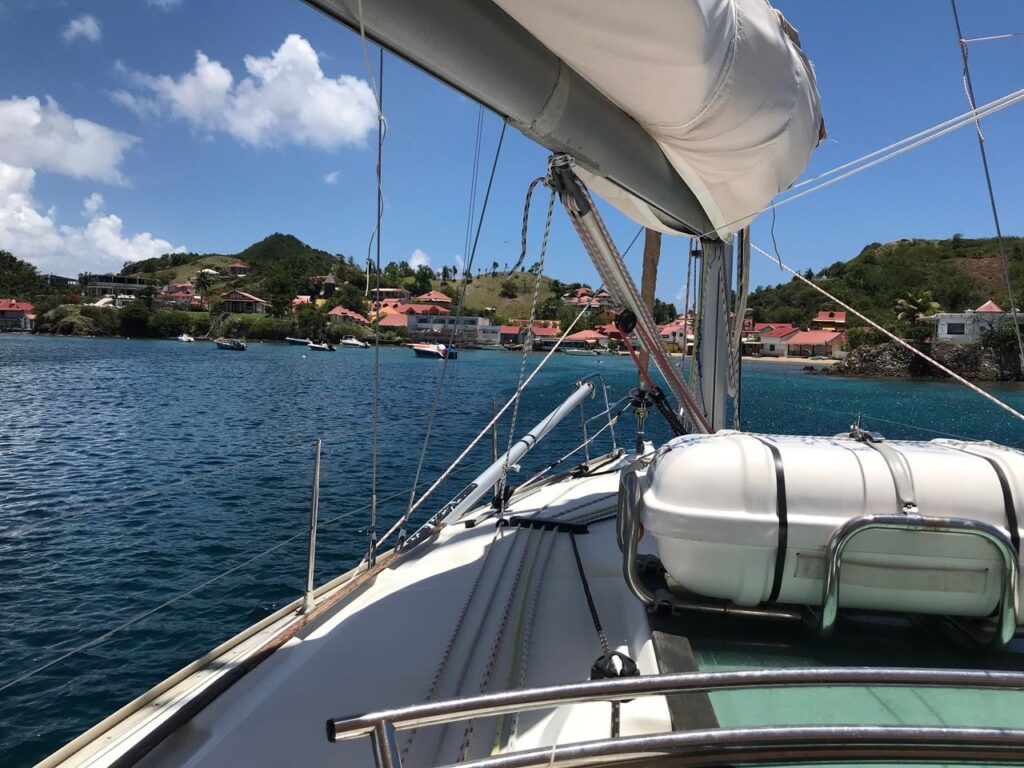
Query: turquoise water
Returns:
{"type": "Point", "coordinates": [133, 471]}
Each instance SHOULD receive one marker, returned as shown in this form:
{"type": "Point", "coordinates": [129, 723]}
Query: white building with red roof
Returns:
{"type": "Point", "coordinates": [16, 315]}
{"type": "Point", "coordinates": [967, 327]}
{"type": "Point", "coordinates": [434, 297]}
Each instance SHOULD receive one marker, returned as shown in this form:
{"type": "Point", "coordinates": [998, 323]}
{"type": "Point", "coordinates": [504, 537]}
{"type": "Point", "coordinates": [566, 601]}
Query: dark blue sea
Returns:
{"type": "Point", "coordinates": [134, 471]}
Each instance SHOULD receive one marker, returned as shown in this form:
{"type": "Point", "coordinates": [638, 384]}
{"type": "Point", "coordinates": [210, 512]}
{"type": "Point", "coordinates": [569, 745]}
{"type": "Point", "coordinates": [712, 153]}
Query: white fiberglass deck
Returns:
{"type": "Point", "coordinates": [476, 610]}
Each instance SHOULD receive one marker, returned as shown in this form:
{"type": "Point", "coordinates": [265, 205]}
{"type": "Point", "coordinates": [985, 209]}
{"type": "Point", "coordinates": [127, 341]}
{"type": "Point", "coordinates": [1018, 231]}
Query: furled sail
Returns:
{"type": "Point", "coordinates": [687, 115]}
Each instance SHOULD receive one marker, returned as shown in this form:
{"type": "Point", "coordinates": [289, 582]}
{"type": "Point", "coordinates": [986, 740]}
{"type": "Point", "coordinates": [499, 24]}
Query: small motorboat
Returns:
{"type": "Point", "coordinates": [580, 352]}
{"type": "Point", "coordinates": [435, 350]}
{"type": "Point", "coordinates": [315, 347]}
{"type": "Point", "coordinates": [494, 347]}
{"type": "Point", "coordinates": [297, 342]}
{"type": "Point", "coordinates": [234, 345]}
{"type": "Point", "coordinates": [186, 338]}
{"type": "Point", "coordinates": [352, 341]}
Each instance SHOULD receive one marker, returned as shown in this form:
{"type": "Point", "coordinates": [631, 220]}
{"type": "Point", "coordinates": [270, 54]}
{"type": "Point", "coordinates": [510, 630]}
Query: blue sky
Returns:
{"type": "Point", "coordinates": [214, 154]}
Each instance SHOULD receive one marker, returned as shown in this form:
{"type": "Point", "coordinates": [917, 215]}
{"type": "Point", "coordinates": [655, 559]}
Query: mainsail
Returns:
{"type": "Point", "coordinates": [687, 115]}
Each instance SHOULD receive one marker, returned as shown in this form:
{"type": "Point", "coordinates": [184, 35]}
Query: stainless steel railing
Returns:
{"type": "Point", "coordinates": [382, 726]}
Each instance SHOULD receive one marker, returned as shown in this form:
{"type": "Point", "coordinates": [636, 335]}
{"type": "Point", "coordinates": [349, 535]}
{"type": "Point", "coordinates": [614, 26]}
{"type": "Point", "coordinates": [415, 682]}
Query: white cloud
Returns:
{"type": "Point", "coordinates": [284, 99]}
{"type": "Point", "coordinates": [92, 204]}
{"type": "Point", "coordinates": [419, 259]}
{"type": "Point", "coordinates": [85, 27]}
{"type": "Point", "coordinates": [332, 177]}
{"type": "Point", "coordinates": [42, 136]}
{"type": "Point", "coordinates": [164, 5]}
{"type": "Point", "coordinates": [99, 246]}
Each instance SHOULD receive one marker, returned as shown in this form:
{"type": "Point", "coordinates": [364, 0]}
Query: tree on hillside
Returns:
{"type": "Point", "coordinates": [494, 269]}
{"type": "Point", "coordinates": [19, 279]}
{"type": "Point", "coordinates": [664, 312]}
{"type": "Point", "coordinates": [508, 290]}
{"type": "Point", "coordinates": [423, 278]}
{"type": "Point", "coordinates": [915, 304]}
{"type": "Point", "coordinates": [202, 284]}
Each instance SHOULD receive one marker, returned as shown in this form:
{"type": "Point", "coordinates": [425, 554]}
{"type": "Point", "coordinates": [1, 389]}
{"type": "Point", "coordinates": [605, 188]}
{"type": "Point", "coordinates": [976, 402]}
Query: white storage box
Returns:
{"type": "Point", "coordinates": [711, 503]}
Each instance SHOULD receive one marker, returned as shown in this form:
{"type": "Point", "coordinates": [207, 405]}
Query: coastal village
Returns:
{"type": "Point", "coordinates": [429, 317]}
{"type": "Point", "coordinates": [328, 298]}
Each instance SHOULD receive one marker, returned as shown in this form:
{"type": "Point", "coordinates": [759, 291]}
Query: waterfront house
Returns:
{"type": "Point", "coordinates": [239, 269]}
{"type": "Point", "coordinates": [241, 303]}
{"type": "Point", "coordinates": [812, 343]}
{"type": "Point", "coordinates": [585, 340]}
{"type": "Point", "coordinates": [110, 284]}
{"type": "Point", "coordinates": [829, 320]}
{"type": "Point", "coordinates": [967, 327]}
{"type": "Point", "coordinates": [512, 334]}
{"type": "Point", "coordinates": [677, 332]}
{"type": "Point", "coordinates": [346, 315]}
{"type": "Point", "coordinates": [544, 335]}
{"type": "Point", "coordinates": [462, 330]}
{"type": "Point", "coordinates": [774, 339]}
{"type": "Point", "coordinates": [16, 315]}
{"type": "Point", "coordinates": [393, 321]}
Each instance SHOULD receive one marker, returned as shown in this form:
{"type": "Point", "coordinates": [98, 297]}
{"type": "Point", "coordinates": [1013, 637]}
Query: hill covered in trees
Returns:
{"type": "Point", "coordinates": [959, 273]}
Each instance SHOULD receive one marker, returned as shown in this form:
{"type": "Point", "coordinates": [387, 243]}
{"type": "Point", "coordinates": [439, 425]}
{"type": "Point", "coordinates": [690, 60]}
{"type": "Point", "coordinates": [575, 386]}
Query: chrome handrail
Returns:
{"type": "Point", "coordinates": [522, 700]}
{"type": "Point", "coordinates": [780, 744]}
{"type": "Point", "coordinates": [1008, 601]}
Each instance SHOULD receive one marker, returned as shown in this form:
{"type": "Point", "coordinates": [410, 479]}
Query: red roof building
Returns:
{"type": "Point", "coordinates": [809, 343]}
{"type": "Point", "coordinates": [298, 301]}
{"type": "Point", "coordinates": [588, 338]}
{"type": "Point", "coordinates": [990, 306]}
{"type": "Point", "coordinates": [829, 320]}
{"type": "Point", "coordinates": [346, 315]}
{"type": "Point", "coordinates": [394, 321]}
{"type": "Point", "coordinates": [243, 303]}
{"type": "Point", "coordinates": [433, 297]}
{"type": "Point", "coordinates": [16, 315]}
{"type": "Point", "coordinates": [779, 331]}
{"type": "Point", "coordinates": [239, 269]}
{"type": "Point", "coordinates": [422, 309]}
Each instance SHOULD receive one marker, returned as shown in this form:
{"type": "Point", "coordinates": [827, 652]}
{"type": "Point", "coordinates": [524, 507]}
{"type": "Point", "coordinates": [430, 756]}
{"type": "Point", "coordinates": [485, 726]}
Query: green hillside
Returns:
{"type": "Point", "coordinates": [960, 273]}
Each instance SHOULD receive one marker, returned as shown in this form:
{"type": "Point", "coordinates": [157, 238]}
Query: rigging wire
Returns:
{"type": "Point", "coordinates": [518, 393]}
{"type": "Point", "coordinates": [969, 90]}
{"type": "Point", "coordinates": [468, 267]}
{"type": "Point", "coordinates": [528, 341]}
{"type": "Point", "coordinates": [371, 533]}
{"type": "Point", "coordinates": [970, 385]}
{"type": "Point", "coordinates": [881, 156]}
{"type": "Point", "coordinates": [986, 38]}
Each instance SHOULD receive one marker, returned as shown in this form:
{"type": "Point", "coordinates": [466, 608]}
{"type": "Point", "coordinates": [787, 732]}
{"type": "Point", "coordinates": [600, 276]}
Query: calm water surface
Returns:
{"type": "Point", "coordinates": [134, 471]}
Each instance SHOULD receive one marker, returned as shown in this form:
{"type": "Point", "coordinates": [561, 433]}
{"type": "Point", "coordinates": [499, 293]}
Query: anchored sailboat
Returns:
{"type": "Point", "coordinates": [536, 623]}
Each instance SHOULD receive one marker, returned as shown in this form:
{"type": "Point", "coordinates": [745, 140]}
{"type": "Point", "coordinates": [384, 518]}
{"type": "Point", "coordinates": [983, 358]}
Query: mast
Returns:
{"type": "Point", "coordinates": [649, 282]}
{"type": "Point", "coordinates": [711, 354]}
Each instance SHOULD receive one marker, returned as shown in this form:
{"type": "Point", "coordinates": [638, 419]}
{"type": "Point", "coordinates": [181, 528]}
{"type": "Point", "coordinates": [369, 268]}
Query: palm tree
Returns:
{"type": "Point", "coordinates": [916, 304]}
{"type": "Point", "coordinates": [202, 283]}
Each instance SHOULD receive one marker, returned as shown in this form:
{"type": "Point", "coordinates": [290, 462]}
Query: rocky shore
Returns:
{"type": "Point", "coordinates": [972, 361]}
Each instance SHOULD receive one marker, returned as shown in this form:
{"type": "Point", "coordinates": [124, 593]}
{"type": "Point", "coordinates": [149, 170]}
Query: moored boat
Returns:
{"type": "Point", "coordinates": [580, 352]}
{"type": "Point", "coordinates": [435, 350]}
{"type": "Point", "coordinates": [297, 342]}
{"type": "Point", "coordinates": [320, 347]}
{"type": "Point", "coordinates": [186, 338]}
{"type": "Point", "coordinates": [234, 345]}
{"type": "Point", "coordinates": [352, 341]}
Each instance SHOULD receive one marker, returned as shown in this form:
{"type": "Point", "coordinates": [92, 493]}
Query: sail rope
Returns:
{"type": "Point", "coordinates": [879, 156]}
{"type": "Point", "coordinates": [528, 341]}
{"type": "Point", "coordinates": [969, 91]}
{"type": "Point", "coordinates": [468, 267]}
{"type": "Point", "coordinates": [952, 374]}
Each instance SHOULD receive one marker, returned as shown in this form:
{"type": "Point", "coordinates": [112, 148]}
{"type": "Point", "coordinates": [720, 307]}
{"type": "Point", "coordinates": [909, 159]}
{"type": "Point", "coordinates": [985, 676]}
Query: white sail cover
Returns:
{"type": "Point", "coordinates": [721, 85]}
